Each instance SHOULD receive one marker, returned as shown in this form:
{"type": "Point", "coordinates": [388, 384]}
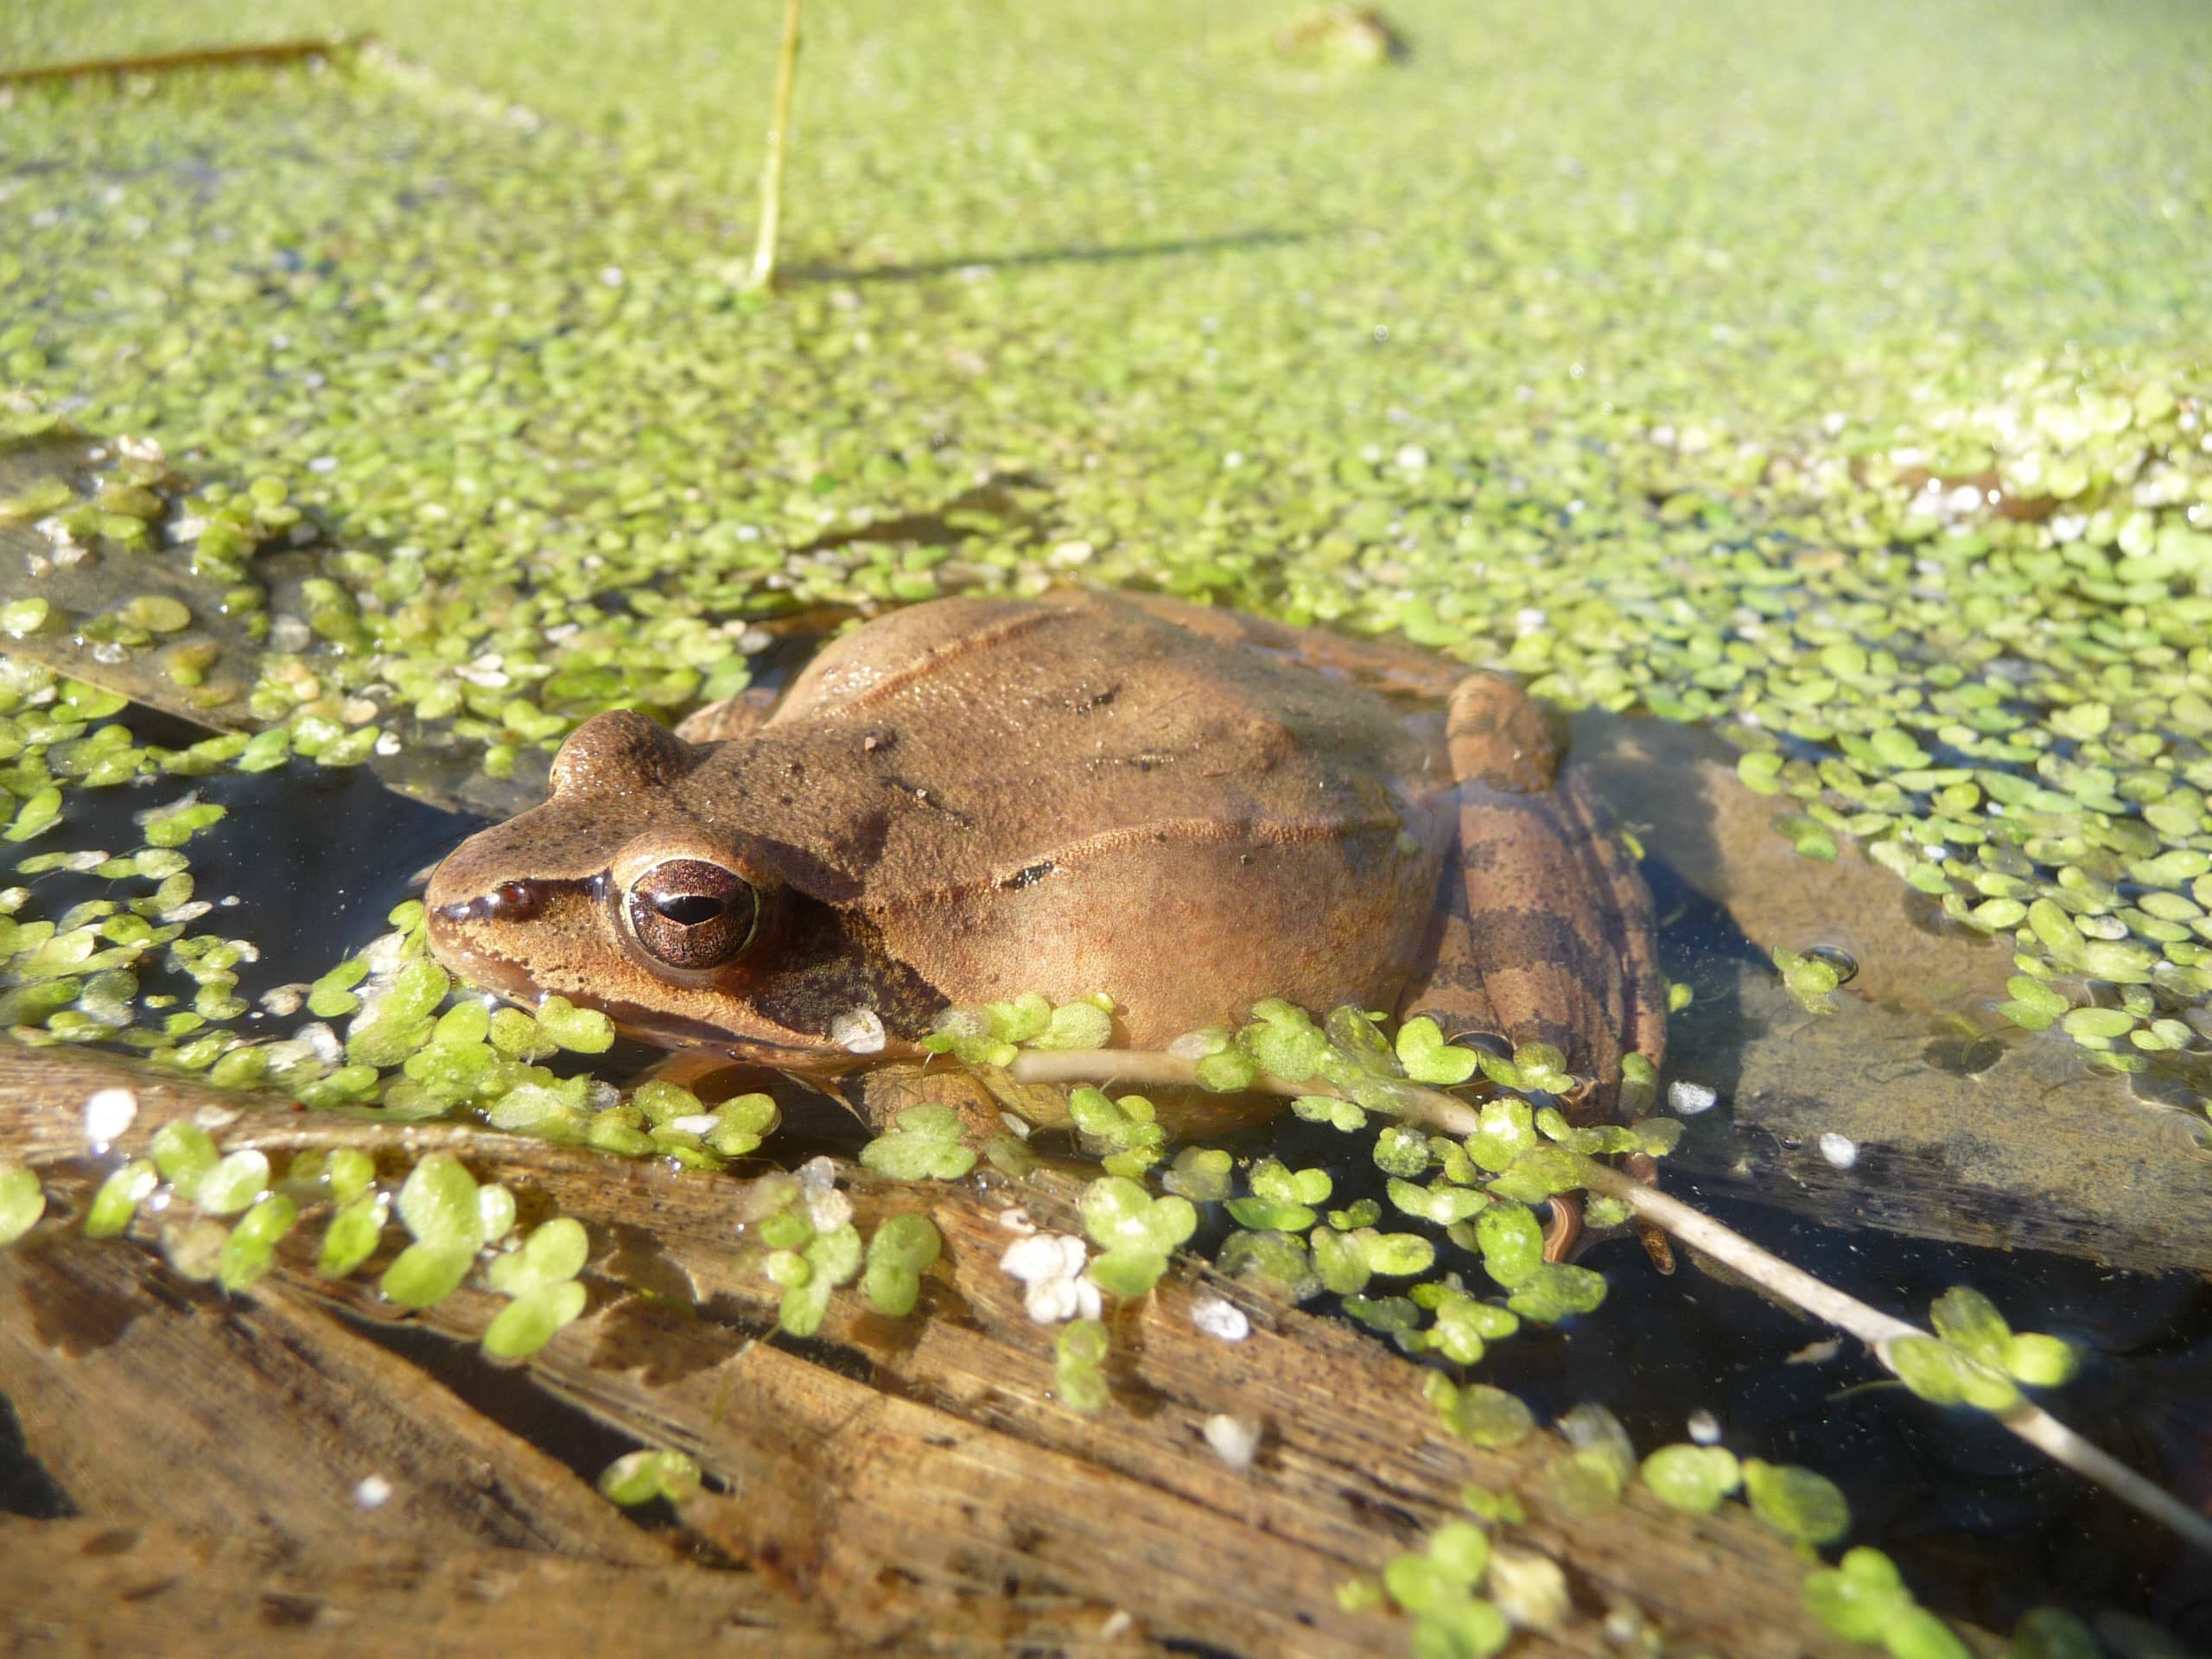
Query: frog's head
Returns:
{"type": "Point", "coordinates": [629, 892]}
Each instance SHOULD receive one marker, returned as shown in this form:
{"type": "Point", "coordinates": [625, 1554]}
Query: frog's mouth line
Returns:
{"type": "Point", "coordinates": [507, 981]}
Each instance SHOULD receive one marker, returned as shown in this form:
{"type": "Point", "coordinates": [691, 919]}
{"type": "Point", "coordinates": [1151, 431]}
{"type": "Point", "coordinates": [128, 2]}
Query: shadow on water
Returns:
{"type": "Point", "coordinates": [1172, 247]}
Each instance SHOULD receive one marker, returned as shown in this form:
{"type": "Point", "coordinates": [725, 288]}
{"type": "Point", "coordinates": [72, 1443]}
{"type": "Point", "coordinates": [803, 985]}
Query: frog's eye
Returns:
{"type": "Point", "coordinates": [690, 914]}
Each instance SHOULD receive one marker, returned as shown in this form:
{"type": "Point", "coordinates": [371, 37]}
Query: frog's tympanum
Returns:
{"type": "Point", "coordinates": [977, 797]}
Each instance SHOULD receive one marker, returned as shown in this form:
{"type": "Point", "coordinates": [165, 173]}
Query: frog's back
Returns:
{"type": "Point", "coordinates": [1072, 794]}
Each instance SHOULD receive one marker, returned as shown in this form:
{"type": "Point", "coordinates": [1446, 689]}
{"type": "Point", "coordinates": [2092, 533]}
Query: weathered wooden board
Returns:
{"type": "Point", "coordinates": [909, 1482]}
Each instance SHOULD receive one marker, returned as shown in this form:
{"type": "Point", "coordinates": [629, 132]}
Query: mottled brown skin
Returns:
{"type": "Point", "coordinates": [977, 797]}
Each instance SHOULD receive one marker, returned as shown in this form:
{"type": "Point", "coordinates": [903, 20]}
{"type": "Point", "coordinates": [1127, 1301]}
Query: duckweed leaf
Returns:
{"type": "Point", "coordinates": [1553, 1291]}
{"type": "Point", "coordinates": [1512, 1242]}
{"type": "Point", "coordinates": [1402, 1151]}
{"type": "Point", "coordinates": [1127, 1270]}
{"type": "Point", "coordinates": [2040, 1362]}
{"type": "Point", "coordinates": [1441, 1203]}
{"type": "Point", "coordinates": [1945, 1375]}
{"type": "Point", "coordinates": [1341, 1262]}
{"type": "Point", "coordinates": [1859, 1598]}
{"type": "Point", "coordinates": [830, 1259]}
{"type": "Point", "coordinates": [553, 1253]}
{"type": "Point", "coordinates": [580, 1031]}
{"type": "Point", "coordinates": [425, 1273]}
{"type": "Point", "coordinates": [1078, 1377]}
{"type": "Point", "coordinates": [250, 1250]}
{"type": "Point", "coordinates": [1796, 1501]}
{"type": "Point", "coordinates": [1693, 1478]}
{"type": "Point", "coordinates": [924, 1144]}
{"type": "Point", "coordinates": [495, 1212]}
{"type": "Point", "coordinates": [1395, 1255]}
{"type": "Point", "coordinates": [1428, 1058]}
{"type": "Point", "coordinates": [184, 1154]}
{"type": "Point", "coordinates": [903, 1248]}
{"type": "Point", "coordinates": [1076, 1025]}
{"type": "Point", "coordinates": [235, 1182]}
{"type": "Point", "coordinates": [119, 1197]}
{"type": "Point", "coordinates": [1199, 1174]}
{"type": "Point", "coordinates": [437, 1204]}
{"type": "Point", "coordinates": [1479, 1413]}
{"type": "Point", "coordinates": [640, 1477]}
{"type": "Point", "coordinates": [533, 1319]}
{"type": "Point", "coordinates": [23, 1201]}
{"type": "Point", "coordinates": [1582, 1483]}
{"type": "Point", "coordinates": [1966, 1318]}
{"type": "Point", "coordinates": [1535, 1176]}
{"type": "Point", "coordinates": [351, 1236]}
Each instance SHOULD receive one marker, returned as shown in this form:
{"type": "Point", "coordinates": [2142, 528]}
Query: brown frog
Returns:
{"type": "Point", "coordinates": [976, 798]}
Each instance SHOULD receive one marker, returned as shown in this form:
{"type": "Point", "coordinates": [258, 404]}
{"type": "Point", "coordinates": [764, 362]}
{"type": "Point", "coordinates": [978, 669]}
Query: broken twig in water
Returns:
{"type": "Point", "coordinates": [1878, 1330]}
{"type": "Point", "coordinates": [772, 167]}
{"type": "Point", "coordinates": [191, 57]}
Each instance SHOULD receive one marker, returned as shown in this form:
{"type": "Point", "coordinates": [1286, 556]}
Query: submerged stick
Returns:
{"type": "Point", "coordinates": [772, 167]}
{"type": "Point", "coordinates": [190, 57]}
{"type": "Point", "coordinates": [1435, 1109]}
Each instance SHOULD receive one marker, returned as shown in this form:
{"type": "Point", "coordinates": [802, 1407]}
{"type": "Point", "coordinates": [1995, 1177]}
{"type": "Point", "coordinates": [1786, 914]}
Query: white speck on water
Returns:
{"type": "Point", "coordinates": [1412, 458]}
{"type": "Point", "coordinates": [1839, 1149]}
{"type": "Point", "coordinates": [1219, 1319]}
{"type": "Point", "coordinates": [1815, 1353]}
{"type": "Point", "coordinates": [1118, 1623]}
{"type": "Point", "coordinates": [817, 1186]}
{"type": "Point", "coordinates": [1234, 1441]}
{"type": "Point", "coordinates": [1050, 1266]}
{"type": "Point", "coordinates": [1689, 1099]}
{"type": "Point", "coordinates": [1017, 1126]}
{"type": "Point", "coordinates": [1705, 1428]}
{"type": "Point", "coordinates": [611, 274]}
{"type": "Point", "coordinates": [322, 1041]}
{"type": "Point", "coordinates": [373, 1492]}
{"type": "Point", "coordinates": [323, 464]}
{"type": "Point", "coordinates": [697, 1123]}
{"type": "Point", "coordinates": [108, 1112]}
{"type": "Point", "coordinates": [858, 1031]}
{"type": "Point", "coordinates": [1017, 1220]}
{"type": "Point", "coordinates": [1194, 1045]}
{"type": "Point", "coordinates": [1527, 621]}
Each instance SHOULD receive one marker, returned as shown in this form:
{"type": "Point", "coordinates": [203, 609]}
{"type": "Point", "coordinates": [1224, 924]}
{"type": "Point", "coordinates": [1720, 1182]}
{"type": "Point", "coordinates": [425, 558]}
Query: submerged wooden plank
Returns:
{"type": "Point", "coordinates": [91, 1587]}
{"type": "Point", "coordinates": [261, 1418]}
{"type": "Point", "coordinates": [907, 1477]}
{"type": "Point", "coordinates": [2033, 1150]}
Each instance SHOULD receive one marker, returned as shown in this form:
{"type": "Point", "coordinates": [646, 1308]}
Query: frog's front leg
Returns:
{"type": "Point", "coordinates": [982, 1100]}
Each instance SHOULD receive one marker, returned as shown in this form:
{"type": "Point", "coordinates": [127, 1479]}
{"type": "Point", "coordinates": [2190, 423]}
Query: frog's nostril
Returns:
{"type": "Point", "coordinates": [511, 901]}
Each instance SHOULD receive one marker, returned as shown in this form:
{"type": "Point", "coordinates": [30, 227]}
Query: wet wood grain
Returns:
{"type": "Point", "coordinates": [906, 1483]}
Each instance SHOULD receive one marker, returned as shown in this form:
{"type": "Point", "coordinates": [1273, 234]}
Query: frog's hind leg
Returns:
{"type": "Point", "coordinates": [1543, 930]}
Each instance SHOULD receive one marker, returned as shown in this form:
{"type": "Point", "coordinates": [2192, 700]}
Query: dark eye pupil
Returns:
{"type": "Point", "coordinates": [693, 913]}
{"type": "Point", "coordinates": [690, 909]}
